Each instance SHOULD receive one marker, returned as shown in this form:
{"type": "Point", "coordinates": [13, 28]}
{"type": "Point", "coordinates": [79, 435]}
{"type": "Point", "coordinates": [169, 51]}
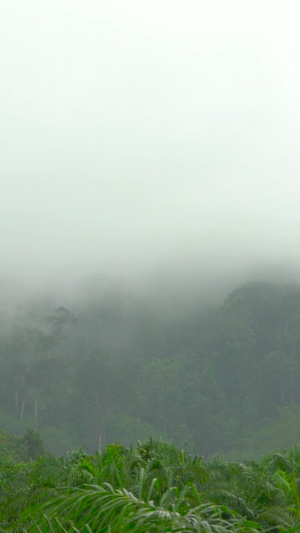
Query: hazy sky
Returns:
{"type": "Point", "coordinates": [135, 134]}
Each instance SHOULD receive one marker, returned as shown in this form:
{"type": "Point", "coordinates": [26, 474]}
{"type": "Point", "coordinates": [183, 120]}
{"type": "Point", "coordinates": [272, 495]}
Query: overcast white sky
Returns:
{"type": "Point", "coordinates": [135, 134]}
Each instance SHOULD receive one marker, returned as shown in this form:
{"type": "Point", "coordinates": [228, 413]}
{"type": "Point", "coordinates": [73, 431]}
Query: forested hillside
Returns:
{"type": "Point", "coordinates": [121, 368]}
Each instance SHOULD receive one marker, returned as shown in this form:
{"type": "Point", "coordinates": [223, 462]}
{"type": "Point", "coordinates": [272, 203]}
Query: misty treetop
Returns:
{"type": "Point", "coordinates": [221, 380]}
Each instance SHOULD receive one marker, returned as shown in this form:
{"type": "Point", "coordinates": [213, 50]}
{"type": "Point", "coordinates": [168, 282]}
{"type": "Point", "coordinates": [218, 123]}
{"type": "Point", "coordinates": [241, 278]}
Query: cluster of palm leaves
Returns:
{"type": "Point", "coordinates": [155, 488]}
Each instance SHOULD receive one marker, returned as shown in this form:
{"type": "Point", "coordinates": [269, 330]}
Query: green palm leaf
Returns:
{"type": "Point", "coordinates": [103, 509]}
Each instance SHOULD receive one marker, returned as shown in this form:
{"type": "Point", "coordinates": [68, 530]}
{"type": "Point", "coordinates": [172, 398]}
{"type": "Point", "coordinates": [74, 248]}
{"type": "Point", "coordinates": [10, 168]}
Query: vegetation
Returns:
{"type": "Point", "coordinates": [221, 380]}
{"type": "Point", "coordinates": [153, 487]}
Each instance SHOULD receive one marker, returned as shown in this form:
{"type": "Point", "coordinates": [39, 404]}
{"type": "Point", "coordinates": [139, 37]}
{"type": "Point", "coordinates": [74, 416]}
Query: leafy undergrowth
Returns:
{"type": "Point", "coordinates": [154, 488]}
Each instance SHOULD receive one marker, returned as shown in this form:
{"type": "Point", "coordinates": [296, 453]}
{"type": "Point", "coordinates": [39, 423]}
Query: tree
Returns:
{"type": "Point", "coordinates": [32, 444]}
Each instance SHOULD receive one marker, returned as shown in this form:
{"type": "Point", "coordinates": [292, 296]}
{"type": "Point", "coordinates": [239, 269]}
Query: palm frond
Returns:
{"type": "Point", "coordinates": [285, 518]}
{"type": "Point", "coordinates": [95, 508]}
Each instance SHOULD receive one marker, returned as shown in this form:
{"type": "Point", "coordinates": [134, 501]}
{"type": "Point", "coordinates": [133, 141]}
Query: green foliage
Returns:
{"type": "Point", "coordinates": [32, 444]}
{"type": "Point", "coordinates": [155, 487]}
{"type": "Point", "coordinates": [9, 447]}
{"type": "Point", "coordinates": [14, 449]}
{"type": "Point", "coordinates": [214, 382]}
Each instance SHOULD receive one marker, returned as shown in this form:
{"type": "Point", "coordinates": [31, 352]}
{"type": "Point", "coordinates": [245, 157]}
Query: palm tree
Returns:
{"type": "Point", "coordinates": [98, 509]}
{"type": "Point", "coordinates": [154, 488]}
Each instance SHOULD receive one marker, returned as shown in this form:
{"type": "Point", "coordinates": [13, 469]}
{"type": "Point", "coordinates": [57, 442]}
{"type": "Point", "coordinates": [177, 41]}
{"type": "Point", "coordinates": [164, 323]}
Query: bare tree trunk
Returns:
{"type": "Point", "coordinates": [291, 390]}
{"type": "Point", "coordinates": [286, 329]}
{"type": "Point", "coordinates": [104, 427]}
{"type": "Point", "coordinates": [16, 397]}
{"type": "Point", "coordinates": [22, 408]}
{"type": "Point", "coordinates": [165, 423]}
{"type": "Point", "coordinates": [282, 396]}
{"type": "Point", "coordinates": [35, 411]}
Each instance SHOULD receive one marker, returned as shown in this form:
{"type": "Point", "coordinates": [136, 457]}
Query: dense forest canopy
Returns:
{"type": "Point", "coordinates": [220, 379]}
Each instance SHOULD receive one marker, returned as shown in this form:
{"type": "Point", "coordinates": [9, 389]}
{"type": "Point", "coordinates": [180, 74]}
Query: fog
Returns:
{"type": "Point", "coordinates": [142, 141]}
